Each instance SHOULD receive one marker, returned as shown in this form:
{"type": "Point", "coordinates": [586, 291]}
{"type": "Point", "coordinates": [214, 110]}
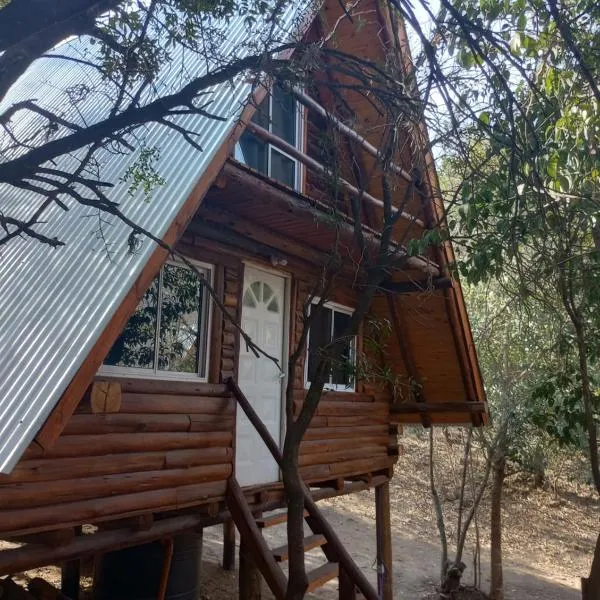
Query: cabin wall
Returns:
{"type": "Point", "coordinates": [350, 433]}
{"type": "Point", "coordinates": [170, 444]}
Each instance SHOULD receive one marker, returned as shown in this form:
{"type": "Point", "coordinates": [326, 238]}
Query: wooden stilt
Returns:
{"type": "Point", "coordinates": [164, 577]}
{"type": "Point", "coordinates": [229, 545]}
{"type": "Point", "coordinates": [384, 542]}
{"type": "Point", "coordinates": [70, 575]}
{"type": "Point", "coordinates": [250, 580]}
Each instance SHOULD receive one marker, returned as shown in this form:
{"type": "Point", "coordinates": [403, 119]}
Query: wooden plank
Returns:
{"type": "Point", "coordinates": [335, 433]}
{"type": "Point", "coordinates": [438, 407]}
{"type": "Point", "coordinates": [44, 469]}
{"type": "Point", "coordinates": [346, 443]}
{"type": "Point", "coordinates": [282, 553]}
{"type": "Point", "coordinates": [340, 455]}
{"type": "Point", "coordinates": [273, 520]}
{"type": "Point", "coordinates": [171, 404]}
{"type": "Point", "coordinates": [173, 388]}
{"type": "Point", "coordinates": [30, 520]}
{"type": "Point", "coordinates": [216, 334]}
{"type": "Point", "coordinates": [25, 495]}
{"type": "Point", "coordinates": [338, 408]}
{"type": "Point", "coordinates": [112, 443]}
{"type": "Point", "coordinates": [240, 513]}
{"type": "Point", "coordinates": [321, 575]}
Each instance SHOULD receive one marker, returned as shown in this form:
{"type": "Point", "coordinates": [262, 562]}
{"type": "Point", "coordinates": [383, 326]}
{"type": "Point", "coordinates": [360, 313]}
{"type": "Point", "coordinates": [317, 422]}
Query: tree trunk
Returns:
{"type": "Point", "coordinates": [292, 482]}
{"type": "Point", "coordinates": [498, 475]}
{"type": "Point", "coordinates": [590, 586]}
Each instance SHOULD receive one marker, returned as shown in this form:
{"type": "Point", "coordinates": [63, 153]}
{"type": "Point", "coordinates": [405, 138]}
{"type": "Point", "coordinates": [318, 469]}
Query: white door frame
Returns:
{"type": "Point", "coordinates": [287, 285]}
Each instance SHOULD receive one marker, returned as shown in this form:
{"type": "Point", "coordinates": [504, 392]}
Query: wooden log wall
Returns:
{"type": "Point", "coordinates": [350, 433]}
{"type": "Point", "coordinates": [170, 446]}
{"type": "Point", "coordinates": [164, 445]}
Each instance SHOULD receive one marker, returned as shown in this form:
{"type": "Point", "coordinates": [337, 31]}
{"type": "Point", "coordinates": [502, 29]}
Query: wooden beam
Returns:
{"type": "Point", "coordinates": [229, 545]}
{"type": "Point", "coordinates": [314, 165]}
{"type": "Point", "coordinates": [70, 575]}
{"type": "Point", "coordinates": [288, 201]}
{"type": "Point", "coordinates": [244, 520]}
{"type": "Point", "coordinates": [441, 407]}
{"type": "Point", "coordinates": [347, 131]}
{"type": "Point", "coordinates": [383, 527]}
{"type": "Point", "coordinates": [411, 287]}
{"type": "Point", "coordinates": [33, 555]}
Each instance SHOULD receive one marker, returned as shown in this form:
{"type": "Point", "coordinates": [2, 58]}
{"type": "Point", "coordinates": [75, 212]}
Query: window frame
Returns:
{"type": "Point", "coordinates": [333, 387]}
{"type": "Point", "coordinates": [204, 337]}
{"type": "Point", "coordinates": [299, 167]}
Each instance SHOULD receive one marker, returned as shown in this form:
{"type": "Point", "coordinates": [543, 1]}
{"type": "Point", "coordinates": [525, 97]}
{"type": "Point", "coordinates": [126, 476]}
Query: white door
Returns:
{"type": "Point", "coordinates": [263, 319]}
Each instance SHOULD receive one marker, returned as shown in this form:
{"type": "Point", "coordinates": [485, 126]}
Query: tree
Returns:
{"type": "Point", "coordinates": [484, 65]}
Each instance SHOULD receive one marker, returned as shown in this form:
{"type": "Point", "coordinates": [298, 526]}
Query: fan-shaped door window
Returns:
{"type": "Point", "coordinates": [260, 293]}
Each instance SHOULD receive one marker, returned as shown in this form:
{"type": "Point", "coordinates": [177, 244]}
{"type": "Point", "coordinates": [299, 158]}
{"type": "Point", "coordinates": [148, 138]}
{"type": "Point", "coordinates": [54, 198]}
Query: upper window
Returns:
{"type": "Point", "coordinates": [280, 114]}
{"type": "Point", "coordinates": [167, 334]}
{"type": "Point", "coordinates": [329, 324]}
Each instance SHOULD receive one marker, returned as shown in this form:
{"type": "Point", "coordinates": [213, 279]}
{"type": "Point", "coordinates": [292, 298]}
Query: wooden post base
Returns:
{"type": "Point", "coordinates": [229, 545]}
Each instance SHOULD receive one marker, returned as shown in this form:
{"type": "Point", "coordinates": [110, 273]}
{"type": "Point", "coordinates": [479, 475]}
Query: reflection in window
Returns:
{"type": "Point", "coordinates": [328, 325]}
{"type": "Point", "coordinates": [279, 113]}
{"type": "Point", "coordinates": [177, 302]}
{"type": "Point", "coordinates": [135, 347]}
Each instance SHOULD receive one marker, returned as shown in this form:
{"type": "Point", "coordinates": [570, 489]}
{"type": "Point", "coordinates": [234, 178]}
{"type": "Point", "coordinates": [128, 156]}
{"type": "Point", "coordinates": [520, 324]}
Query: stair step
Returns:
{"type": "Point", "coordinates": [321, 575]}
{"type": "Point", "coordinates": [276, 519]}
{"type": "Point", "coordinates": [310, 542]}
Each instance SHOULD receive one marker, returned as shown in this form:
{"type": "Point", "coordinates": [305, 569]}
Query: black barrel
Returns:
{"type": "Point", "coordinates": [134, 573]}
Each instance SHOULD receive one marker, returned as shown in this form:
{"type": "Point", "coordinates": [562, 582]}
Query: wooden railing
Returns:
{"type": "Point", "coordinates": [316, 519]}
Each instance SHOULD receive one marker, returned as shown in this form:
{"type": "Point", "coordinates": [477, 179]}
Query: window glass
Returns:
{"type": "Point", "coordinates": [284, 115]}
{"type": "Point", "coordinates": [278, 113]}
{"type": "Point", "coordinates": [341, 372]}
{"type": "Point", "coordinates": [329, 325]}
{"type": "Point", "coordinates": [180, 320]}
{"type": "Point", "coordinates": [319, 336]}
{"type": "Point", "coordinates": [254, 152]}
{"type": "Point", "coordinates": [135, 347]}
{"type": "Point", "coordinates": [283, 169]}
{"type": "Point", "coordinates": [168, 331]}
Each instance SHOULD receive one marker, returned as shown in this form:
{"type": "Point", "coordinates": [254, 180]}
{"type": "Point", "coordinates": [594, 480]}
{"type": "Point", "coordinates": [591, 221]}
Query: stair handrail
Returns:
{"type": "Point", "coordinates": [346, 561]}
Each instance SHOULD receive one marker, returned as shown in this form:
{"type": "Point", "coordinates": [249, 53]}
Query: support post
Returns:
{"type": "Point", "coordinates": [250, 580]}
{"type": "Point", "coordinates": [70, 575]}
{"type": "Point", "coordinates": [383, 524]}
{"type": "Point", "coordinates": [229, 545]}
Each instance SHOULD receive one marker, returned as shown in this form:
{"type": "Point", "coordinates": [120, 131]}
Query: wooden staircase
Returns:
{"type": "Point", "coordinates": [339, 562]}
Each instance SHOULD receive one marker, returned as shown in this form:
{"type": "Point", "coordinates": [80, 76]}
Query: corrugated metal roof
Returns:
{"type": "Point", "coordinates": [56, 303]}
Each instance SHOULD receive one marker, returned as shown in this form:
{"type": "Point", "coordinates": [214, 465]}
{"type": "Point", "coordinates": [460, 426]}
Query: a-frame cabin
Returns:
{"type": "Point", "coordinates": [125, 390]}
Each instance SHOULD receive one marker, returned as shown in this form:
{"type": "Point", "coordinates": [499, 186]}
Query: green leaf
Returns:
{"type": "Point", "coordinates": [552, 167]}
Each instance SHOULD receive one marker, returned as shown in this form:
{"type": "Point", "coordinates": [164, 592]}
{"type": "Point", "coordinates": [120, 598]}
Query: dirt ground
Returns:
{"type": "Point", "coordinates": [549, 534]}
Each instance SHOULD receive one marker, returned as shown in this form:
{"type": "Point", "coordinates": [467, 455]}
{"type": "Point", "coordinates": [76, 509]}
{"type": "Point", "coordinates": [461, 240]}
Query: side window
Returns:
{"type": "Point", "coordinates": [280, 114]}
{"type": "Point", "coordinates": [329, 324]}
{"type": "Point", "coordinates": [168, 333]}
